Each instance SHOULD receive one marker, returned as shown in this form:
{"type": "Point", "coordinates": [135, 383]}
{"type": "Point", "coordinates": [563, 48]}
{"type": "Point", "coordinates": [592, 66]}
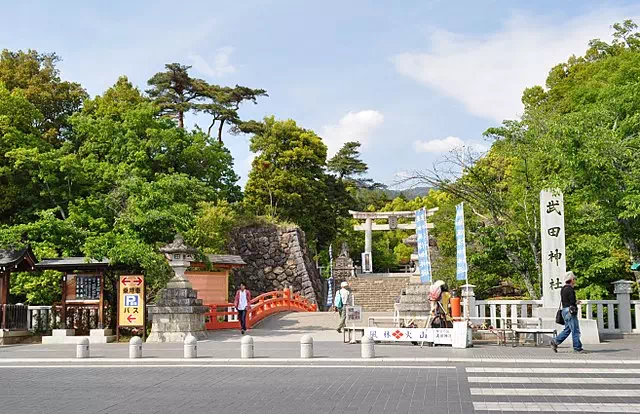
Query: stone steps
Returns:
{"type": "Point", "coordinates": [377, 294]}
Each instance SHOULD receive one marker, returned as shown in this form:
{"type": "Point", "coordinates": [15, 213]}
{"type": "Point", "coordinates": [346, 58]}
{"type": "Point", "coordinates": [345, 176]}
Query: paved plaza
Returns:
{"type": "Point", "coordinates": [401, 379]}
{"type": "Point", "coordinates": [206, 387]}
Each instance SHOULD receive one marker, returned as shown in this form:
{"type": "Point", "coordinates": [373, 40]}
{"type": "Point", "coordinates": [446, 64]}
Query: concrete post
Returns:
{"type": "Point", "coordinates": [82, 348]}
{"type": "Point", "coordinates": [135, 347]}
{"type": "Point", "coordinates": [367, 348]}
{"type": "Point", "coordinates": [190, 347]}
{"type": "Point", "coordinates": [246, 347]}
{"type": "Point", "coordinates": [622, 289]}
{"type": "Point", "coordinates": [469, 300]}
{"type": "Point", "coordinates": [368, 235]}
{"type": "Point", "coordinates": [306, 346]}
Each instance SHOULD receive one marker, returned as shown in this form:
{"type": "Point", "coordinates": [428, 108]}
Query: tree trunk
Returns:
{"type": "Point", "coordinates": [220, 131]}
{"type": "Point", "coordinates": [181, 119]}
{"type": "Point", "coordinates": [213, 122]}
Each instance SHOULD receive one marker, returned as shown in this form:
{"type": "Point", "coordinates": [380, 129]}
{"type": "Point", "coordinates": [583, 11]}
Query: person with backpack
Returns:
{"type": "Point", "coordinates": [341, 302]}
{"type": "Point", "coordinates": [439, 301]}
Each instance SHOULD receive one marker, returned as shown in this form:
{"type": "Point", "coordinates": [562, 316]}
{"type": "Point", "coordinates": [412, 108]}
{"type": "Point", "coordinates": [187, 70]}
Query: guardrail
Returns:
{"type": "Point", "coordinates": [225, 316]}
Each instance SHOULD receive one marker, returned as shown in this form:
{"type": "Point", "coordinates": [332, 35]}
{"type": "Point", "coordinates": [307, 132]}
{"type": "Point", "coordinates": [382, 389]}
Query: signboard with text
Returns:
{"type": "Point", "coordinates": [354, 314]}
{"type": "Point", "coordinates": [131, 301]}
{"type": "Point", "coordinates": [367, 262]}
{"type": "Point", "coordinates": [438, 336]}
{"type": "Point", "coordinates": [554, 262]}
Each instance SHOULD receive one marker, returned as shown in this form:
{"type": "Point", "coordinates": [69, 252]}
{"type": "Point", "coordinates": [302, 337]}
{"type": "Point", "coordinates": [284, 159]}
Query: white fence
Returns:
{"type": "Point", "coordinates": [618, 316]}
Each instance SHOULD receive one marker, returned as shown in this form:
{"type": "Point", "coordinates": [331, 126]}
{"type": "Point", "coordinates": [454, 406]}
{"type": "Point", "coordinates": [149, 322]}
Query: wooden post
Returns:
{"type": "Point", "coordinates": [4, 288]}
{"type": "Point", "coordinates": [117, 291]}
{"type": "Point", "coordinates": [63, 310]}
{"type": "Point", "coordinates": [144, 312]}
{"type": "Point", "coordinates": [101, 308]}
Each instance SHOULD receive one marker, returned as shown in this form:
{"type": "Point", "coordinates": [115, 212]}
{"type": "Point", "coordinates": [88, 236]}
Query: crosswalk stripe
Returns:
{"type": "Point", "coordinates": [553, 380]}
{"type": "Point", "coordinates": [555, 392]}
{"type": "Point", "coordinates": [544, 370]}
{"type": "Point", "coordinates": [552, 406]}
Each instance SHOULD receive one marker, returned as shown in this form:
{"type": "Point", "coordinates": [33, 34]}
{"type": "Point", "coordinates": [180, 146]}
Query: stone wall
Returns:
{"type": "Point", "coordinates": [276, 257]}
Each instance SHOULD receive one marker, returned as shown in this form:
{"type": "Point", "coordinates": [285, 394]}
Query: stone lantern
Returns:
{"type": "Point", "coordinates": [180, 257]}
{"type": "Point", "coordinates": [177, 312]}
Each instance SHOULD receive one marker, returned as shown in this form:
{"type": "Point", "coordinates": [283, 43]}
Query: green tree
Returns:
{"type": "Point", "coordinates": [223, 103]}
{"type": "Point", "coordinates": [347, 163]}
{"type": "Point", "coordinates": [124, 180]}
{"type": "Point", "coordinates": [36, 76]}
{"type": "Point", "coordinates": [288, 179]}
{"type": "Point", "coordinates": [175, 91]}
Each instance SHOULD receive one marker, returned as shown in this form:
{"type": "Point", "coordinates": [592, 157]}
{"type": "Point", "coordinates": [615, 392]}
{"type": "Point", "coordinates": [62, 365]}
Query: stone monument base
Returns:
{"type": "Point", "coordinates": [175, 327]}
{"type": "Point", "coordinates": [177, 314]}
{"type": "Point", "coordinates": [588, 327]}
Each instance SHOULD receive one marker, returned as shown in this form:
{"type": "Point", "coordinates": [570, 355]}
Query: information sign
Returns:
{"type": "Point", "coordinates": [131, 301]}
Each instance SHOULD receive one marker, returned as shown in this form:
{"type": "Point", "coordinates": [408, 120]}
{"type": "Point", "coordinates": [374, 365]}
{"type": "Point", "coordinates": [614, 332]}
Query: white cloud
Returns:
{"type": "Point", "coordinates": [354, 126]}
{"type": "Point", "coordinates": [438, 145]}
{"type": "Point", "coordinates": [488, 74]}
{"type": "Point", "coordinates": [221, 64]}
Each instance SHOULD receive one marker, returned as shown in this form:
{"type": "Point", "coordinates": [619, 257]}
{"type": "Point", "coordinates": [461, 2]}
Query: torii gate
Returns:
{"type": "Point", "coordinates": [392, 217]}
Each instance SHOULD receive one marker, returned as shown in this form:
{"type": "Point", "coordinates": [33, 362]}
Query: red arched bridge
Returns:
{"type": "Point", "coordinates": [225, 315]}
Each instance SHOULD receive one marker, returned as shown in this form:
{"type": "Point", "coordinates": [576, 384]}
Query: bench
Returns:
{"type": "Point", "coordinates": [528, 326]}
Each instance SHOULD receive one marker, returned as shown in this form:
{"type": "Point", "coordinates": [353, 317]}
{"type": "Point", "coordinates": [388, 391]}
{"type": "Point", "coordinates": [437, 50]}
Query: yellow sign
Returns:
{"type": "Point", "coordinates": [131, 301]}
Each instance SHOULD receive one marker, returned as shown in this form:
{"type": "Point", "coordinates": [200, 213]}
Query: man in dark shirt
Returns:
{"type": "Point", "coordinates": [570, 316]}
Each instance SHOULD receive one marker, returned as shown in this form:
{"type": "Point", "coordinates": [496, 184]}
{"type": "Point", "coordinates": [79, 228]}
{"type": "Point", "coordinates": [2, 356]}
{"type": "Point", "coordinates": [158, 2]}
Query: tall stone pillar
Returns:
{"type": "Point", "coordinates": [368, 235]}
{"type": "Point", "coordinates": [177, 312]}
{"type": "Point", "coordinates": [622, 289]}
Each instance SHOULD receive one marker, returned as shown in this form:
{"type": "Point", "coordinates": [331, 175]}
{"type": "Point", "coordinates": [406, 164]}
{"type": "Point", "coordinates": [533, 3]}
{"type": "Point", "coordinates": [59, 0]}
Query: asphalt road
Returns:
{"type": "Point", "coordinates": [207, 387]}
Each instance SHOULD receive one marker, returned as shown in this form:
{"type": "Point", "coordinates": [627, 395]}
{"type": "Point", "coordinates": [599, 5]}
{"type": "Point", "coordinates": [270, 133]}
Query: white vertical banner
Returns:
{"type": "Point", "coordinates": [330, 282]}
{"type": "Point", "coordinates": [461, 248]}
{"type": "Point", "coordinates": [554, 262]}
{"type": "Point", "coordinates": [424, 262]}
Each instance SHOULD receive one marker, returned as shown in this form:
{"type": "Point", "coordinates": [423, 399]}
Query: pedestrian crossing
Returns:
{"type": "Point", "coordinates": [555, 389]}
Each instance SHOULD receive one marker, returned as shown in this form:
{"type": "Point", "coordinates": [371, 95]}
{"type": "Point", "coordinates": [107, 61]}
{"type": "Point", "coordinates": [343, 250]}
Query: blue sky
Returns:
{"type": "Point", "coordinates": [409, 79]}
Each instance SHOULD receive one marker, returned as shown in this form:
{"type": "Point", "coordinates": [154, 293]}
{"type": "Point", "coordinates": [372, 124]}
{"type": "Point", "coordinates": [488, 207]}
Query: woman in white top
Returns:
{"type": "Point", "coordinates": [242, 303]}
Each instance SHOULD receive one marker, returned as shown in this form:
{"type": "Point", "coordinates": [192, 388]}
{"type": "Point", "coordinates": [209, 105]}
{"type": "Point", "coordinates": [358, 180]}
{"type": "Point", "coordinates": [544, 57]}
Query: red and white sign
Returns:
{"type": "Point", "coordinates": [440, 336]}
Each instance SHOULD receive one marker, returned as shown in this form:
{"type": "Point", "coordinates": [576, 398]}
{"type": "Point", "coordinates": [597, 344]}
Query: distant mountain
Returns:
{"type": "Point", "coordinates": [409, 193]}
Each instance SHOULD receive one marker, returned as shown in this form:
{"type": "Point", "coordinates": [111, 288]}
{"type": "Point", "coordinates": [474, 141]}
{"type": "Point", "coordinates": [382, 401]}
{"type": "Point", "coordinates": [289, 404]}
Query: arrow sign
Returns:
{"type": "Point", "coordinates": [136, 282]}
{"type": "Point", "coordinates": [131, 318]}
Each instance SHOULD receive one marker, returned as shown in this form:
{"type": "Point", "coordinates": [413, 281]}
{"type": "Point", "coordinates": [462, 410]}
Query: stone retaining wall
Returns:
{"type": "Point", "coordinates": [276, 257]}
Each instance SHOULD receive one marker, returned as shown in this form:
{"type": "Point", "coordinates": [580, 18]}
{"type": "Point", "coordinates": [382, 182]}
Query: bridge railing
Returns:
{"type": "Point", "coordinates": [225, 315]}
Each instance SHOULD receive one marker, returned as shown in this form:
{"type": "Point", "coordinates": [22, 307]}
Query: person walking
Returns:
{"type": "Point", "coordinates": [341, 301]}
{"type": "Point", "coordinates": [242, 302]}
{"type": "Point", "coordinates": [569, 315]}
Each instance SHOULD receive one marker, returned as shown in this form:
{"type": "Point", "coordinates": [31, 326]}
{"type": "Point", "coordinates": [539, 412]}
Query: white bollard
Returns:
{"type": "Point", "coordinates": [190, 347]}
{"type": "Point", "coordinates": [367, 348]}
{"type": "Point", "coordinates": [246, 347]}
{"type": "Point", "coordinates": [306, 346]}
{"type": "Point", "coordinates": [135, 347]}
{"type": "Point", "coordinates": [82, 348]}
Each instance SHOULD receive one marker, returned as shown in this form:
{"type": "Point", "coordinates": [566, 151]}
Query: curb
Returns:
{"type": "Point", "coordinates": [317, 361]}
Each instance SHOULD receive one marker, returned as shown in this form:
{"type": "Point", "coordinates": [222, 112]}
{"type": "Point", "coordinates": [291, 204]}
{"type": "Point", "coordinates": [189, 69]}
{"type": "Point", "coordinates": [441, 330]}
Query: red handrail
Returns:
{"type": "Point", "coordinates": [261, 306]}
